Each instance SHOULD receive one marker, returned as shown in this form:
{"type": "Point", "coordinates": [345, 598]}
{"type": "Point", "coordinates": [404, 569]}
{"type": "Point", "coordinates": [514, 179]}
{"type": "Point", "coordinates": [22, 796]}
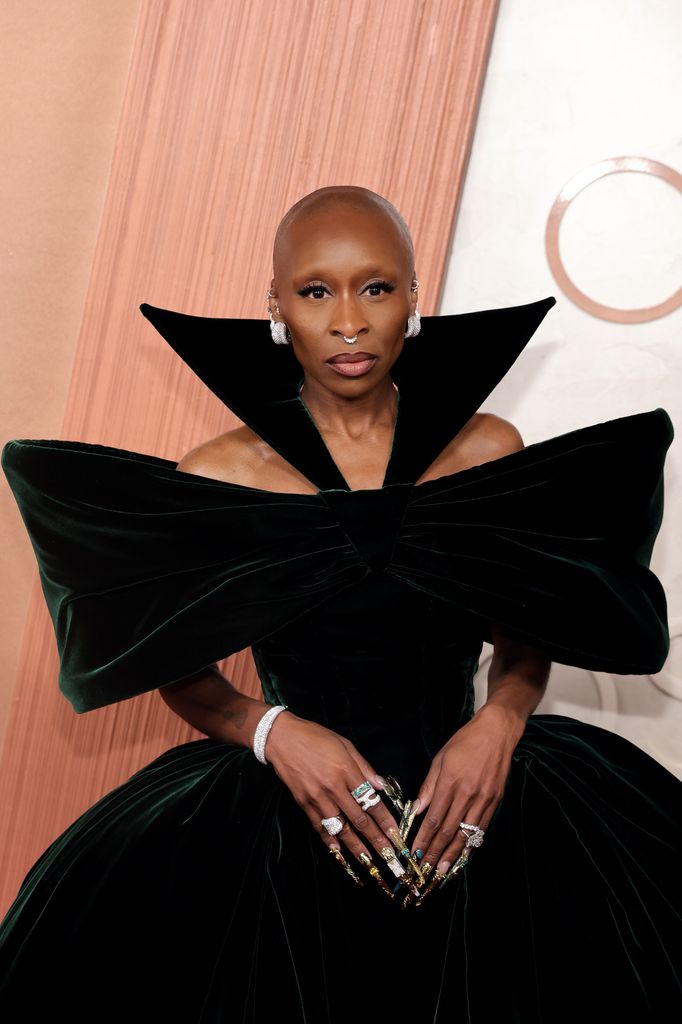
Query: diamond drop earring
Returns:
{"type": "Point", "coordinates": [278, 330]}
{"type": "Point", "coordinates": [414, 321]}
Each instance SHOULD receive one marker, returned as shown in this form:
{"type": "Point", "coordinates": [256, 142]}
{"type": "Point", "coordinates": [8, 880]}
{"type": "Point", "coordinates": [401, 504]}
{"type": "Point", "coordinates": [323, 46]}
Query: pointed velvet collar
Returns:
{"type": "Point", "coordinates": [443, 375]}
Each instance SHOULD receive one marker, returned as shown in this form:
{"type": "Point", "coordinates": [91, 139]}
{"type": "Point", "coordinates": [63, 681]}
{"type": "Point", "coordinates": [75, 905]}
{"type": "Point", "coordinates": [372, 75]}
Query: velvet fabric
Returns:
{"type": "Point", "coordinates": [197, 891]}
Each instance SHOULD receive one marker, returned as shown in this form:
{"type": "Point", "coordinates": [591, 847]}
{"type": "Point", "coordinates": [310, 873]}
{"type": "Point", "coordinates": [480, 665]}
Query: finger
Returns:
{"type": "Point", "coordinates": [443, 823]}
{"type": "Point", "coordinates": [376, 822]}
{"type": "Point", "coordinates": [365, 832]}
{"type": "Point", "coordinates": [366, 771]}
{"type": "Point", "coordinates": [345, 834]}
{"type": "Point", "coordinates": [338, 855]}
{"type": "Point", "coordinates": [434, 817]}
{"type": "Point", "coordinates": [427, 788]}
{"type": "Point", "coordinates": [424, 802]}
{"type": "Point", "coordinates": [478, 813]}
{"type": "Point", "coordinates": [348, 812]}
{"type": "Point", "coordinates": [333, 846]}
{"type": "Point", "coordinates": [441, 826]}
{"type": "Point", "coordinates": [373, 830]}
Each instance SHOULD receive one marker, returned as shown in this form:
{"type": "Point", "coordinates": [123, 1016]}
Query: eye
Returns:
{"type": "Point", "coordinates": [377, 287]}
{"type": "Point", "coordinates": [316, 290]}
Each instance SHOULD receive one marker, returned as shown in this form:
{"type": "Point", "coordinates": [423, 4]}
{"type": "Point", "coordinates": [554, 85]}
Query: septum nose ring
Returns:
{"type": "Point", "coordinates": [350, 341]}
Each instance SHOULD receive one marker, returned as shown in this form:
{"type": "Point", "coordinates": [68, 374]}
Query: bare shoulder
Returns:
{"type": "Point", "coordinates": [229, 457]}
{"type": "Point", "coordinates": [491, 436]}
{"type": "Point", "coordinates": [241, 457]}
{"type": "Point", "coordinates": [483, 438]}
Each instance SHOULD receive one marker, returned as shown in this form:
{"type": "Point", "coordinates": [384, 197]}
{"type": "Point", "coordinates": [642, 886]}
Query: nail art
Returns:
{"type": "Point", "coordinates": [426, 868]}
{"type": "Point", "coordinates": [392, 861]}
{"type": "Point", "coordinates": [434, 880]}
{"type": "Point", "coordinates": [398, 870]}
{"type": "Point", "coordinates": [407, 821]}
{"type": "Point", "coordinates": [410, 886]}
{"type": "Point", "coordinates": [375, 873]}
{"type": "Point", "coordinates": [408, 901]}
{"type": "Point", "coordinates": [397, 840]}
{"type": "Point", "coordinates": [456, 868]}
{"type": "Point", "coordinates": [415, 871]}
{"type": "Point", "coordinates": [394, 792]}
{"type": "Point", "coordinates": [344, 863]}
{"type": "Point", "coordinates": [412, 864]}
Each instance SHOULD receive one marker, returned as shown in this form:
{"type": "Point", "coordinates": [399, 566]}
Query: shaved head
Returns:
{"type": "Point", "coordinates": [334, 199]}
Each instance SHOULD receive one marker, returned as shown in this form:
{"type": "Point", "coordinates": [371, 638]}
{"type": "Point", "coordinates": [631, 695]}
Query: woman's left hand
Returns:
{"type": "Point", "coordinates": [465, 784]}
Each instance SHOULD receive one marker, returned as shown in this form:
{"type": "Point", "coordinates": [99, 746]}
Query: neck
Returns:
{"type": "Point", "coordinates": [352, 417]}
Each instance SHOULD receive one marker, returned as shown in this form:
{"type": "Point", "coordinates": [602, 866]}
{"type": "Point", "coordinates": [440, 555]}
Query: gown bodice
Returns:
{"type": "Point", "coordinates": [388, 667]}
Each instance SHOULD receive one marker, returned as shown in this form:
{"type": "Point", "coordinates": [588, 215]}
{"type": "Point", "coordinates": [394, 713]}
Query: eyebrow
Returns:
{"type": "Point", "coordinates": [372, 271]}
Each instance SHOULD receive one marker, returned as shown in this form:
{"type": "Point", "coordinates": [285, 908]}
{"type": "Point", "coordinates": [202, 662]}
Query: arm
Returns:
{"type": "Point", "coordinates": [517, 680]}
{"type": "Point", "coordinates": [210, 703]}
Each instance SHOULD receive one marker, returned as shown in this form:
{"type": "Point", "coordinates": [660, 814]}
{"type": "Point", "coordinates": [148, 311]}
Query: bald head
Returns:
{"type": "Point", "coordinates": [333, 200]}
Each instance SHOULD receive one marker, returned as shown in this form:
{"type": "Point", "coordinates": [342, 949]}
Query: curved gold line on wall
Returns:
{"type": "Point", "coordinates": [230, 115]}
{"type": "Point", "coordinates": [614, 165]}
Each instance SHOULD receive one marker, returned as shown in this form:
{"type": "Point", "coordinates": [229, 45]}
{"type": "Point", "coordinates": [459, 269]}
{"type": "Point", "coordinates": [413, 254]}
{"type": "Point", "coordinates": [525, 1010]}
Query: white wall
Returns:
{"type": "Point", "coordinates": [569, 83]}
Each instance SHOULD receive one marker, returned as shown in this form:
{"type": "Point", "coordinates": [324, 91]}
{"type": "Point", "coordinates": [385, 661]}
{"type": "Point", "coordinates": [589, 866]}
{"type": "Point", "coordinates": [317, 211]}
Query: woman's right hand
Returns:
{"type": "Point", "coordinates": [321, 769]}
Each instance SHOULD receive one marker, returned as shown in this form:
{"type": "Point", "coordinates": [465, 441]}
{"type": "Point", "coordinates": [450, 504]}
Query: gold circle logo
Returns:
{"type": "Point", "coordinates": [615, 165]}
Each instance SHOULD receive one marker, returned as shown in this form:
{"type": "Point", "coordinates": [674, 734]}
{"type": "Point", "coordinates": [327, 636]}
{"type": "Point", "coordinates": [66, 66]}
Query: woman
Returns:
{"type": "Point", "coordinates": [364, 532]}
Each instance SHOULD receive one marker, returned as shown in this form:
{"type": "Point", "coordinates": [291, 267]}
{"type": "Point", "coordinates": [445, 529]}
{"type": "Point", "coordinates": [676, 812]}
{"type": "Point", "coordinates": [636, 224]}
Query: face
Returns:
{"type": "Point", "coordinates": [344, 272]}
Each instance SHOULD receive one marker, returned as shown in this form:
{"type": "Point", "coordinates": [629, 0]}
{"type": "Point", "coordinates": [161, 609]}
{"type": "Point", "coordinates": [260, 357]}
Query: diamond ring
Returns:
{"type": "Point", "coordinates": [473, 833]}
{"type": "Point", "coordinates": [332, 825]}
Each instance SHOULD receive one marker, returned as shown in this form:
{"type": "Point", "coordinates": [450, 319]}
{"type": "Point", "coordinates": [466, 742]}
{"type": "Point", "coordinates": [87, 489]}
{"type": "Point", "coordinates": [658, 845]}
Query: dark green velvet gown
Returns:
{"type": "Point", "coordinates": [197, 891]}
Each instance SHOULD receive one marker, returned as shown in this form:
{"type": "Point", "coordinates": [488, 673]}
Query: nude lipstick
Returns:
{"type": "Point", "coordinates": [352, 364]}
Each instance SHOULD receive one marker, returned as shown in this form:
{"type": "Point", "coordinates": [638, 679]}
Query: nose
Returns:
{"type": "Point", "coordinates": [348, 320]}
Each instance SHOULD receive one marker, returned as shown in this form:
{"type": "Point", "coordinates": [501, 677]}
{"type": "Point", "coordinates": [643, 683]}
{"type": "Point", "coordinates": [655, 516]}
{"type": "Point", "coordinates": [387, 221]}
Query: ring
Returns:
{"type": "Point", "coordinates": [473, 833]}
{"type": "Point", "coordinates": [332, 825]}
{"type": "Point", "coordinates": [366, 795]}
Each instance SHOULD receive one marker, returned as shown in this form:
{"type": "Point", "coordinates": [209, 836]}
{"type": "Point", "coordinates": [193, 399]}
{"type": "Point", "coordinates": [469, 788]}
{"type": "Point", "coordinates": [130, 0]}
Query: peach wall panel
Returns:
{"type": "Point", "coordinates": [232, 111]}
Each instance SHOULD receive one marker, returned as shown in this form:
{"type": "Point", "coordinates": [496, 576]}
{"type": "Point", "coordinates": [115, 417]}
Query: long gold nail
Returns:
{"type": "Point", "coordinates": [394, 792]}
{"type": "Point", "coordinates": [392, 861]}
{"type": "Point", "coordinates": [344, 863]}
{"type": "Point", "coordinates": [375, 873]}
{"type": "Point", "coordinates": [409, 814]}
{"type": "Point", "coordinates": [404, 826]}
{"type": "Point", "coordinates": [408, 901]}
{"type": "Point", "coordinates": [425, 869]}
{"type": "Point", "coordinates": [456, 868]}
{"type": "Point", "coordinates": [410, 886]}
{"type": "Point", "coordinates": [414, 868]}
{"type": "Point", "coordinates": [397, 869]}
{"type": "Point", "coordinates": [434, 880]}
{"type": "Point", "coordinates": [412, 863]}
{"type": "Point", "coordinates": [397, 840]}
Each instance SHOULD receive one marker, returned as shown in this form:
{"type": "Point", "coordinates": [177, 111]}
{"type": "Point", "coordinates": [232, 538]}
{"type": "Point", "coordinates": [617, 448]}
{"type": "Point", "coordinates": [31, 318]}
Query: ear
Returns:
{"type": "Point", "coordinates": [414, 295]}
{"type": "Point", "coordinates": [272, 300]}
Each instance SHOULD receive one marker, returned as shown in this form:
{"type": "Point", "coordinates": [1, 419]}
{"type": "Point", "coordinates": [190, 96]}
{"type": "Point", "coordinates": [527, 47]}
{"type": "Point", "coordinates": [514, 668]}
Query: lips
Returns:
{"type": "Point", "coordinates": [352, 364]}
{"type": "Point", "coordinates": [351, 357]}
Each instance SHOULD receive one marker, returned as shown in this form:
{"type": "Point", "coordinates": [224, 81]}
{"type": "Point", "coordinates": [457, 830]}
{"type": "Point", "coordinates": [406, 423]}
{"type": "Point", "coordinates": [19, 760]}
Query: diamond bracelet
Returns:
{"type": "Point", "coordinates": [262, 730]}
